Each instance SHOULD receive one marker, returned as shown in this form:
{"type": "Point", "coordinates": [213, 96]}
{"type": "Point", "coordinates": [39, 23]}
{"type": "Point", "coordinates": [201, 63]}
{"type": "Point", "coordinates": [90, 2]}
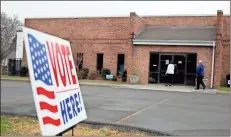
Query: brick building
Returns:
{"type": "Point", "coordinates": [147, 44]}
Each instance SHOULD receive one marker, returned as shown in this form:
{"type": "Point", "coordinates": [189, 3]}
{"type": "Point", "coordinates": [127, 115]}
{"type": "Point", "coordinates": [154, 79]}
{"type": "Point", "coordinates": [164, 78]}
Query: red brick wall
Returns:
{"type": "Point", "coordinates": [137, 23]}
{"type": "Point", "coordinates": [110, 52]}
{"type": "Point", "coordinates": [225, 61]}
{"type": "Point", "coordinates": [90, 36]}
{"type": "Point", "coordinates": [83, 28]}
{"type": "Point", "coordinates": [111, 36]}
{"type": "Point", "coordinates": [181, 20]}
{"type": "Point", "coordinates": [226, 27]}
{"type": "Point", "coordinates": [218, 55]}
{"type": "Point", "coordinates": [226, 49]}
{"type": "Point", "coordinates": [142, 58]}
{"type": "Point", "coordinates": [199, 21]}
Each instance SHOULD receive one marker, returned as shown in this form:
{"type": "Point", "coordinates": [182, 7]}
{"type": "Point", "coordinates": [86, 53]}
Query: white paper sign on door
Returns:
{"type": "Point", "coordinates": [167, 62]}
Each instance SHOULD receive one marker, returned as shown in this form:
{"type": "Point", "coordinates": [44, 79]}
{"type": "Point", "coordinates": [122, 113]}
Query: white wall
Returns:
{"type": "Point", "coordinates": [19, 45]}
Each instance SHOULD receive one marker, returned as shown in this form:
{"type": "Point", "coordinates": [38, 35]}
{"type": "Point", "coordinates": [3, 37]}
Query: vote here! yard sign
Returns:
{"type": "Point", "coordinates": [57, 96]}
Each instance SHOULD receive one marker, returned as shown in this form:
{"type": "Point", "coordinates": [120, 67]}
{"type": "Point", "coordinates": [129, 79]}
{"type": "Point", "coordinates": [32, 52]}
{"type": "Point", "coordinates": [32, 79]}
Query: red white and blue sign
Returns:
{"type": "Point", "coordinates": [57, 96]}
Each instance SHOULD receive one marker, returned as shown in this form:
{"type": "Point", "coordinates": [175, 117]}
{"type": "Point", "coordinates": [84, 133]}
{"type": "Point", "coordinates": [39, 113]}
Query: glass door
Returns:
{"type": "Point", "coordinates": [153, 68]}
{"type": "Point", "coordinates": [164, 61]}
{"type": "Point", "coordinates": [179, 62]}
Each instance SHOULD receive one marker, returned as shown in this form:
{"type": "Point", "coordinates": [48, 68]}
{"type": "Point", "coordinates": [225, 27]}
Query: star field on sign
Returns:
{"type": "Point", "coordinates": [39, 60]}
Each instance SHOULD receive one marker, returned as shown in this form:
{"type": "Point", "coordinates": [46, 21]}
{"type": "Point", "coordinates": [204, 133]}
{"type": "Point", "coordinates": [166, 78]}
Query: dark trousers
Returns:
{"type": "Point", "coordinates": [170, 78]}
{"type": "Point", "coordinates": [200, 82]}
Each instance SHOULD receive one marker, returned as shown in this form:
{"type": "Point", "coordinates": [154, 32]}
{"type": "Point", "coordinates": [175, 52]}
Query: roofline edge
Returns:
{"type": "Point", "coordinates": [173, 42]}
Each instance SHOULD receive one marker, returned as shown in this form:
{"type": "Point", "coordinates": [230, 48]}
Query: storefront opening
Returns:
{"type": "Point", "coordinates": [99, 63]}
{"type": "Point", "coordinates": [120, 64]}
{"type": "Point", "coordinates": [185, 67]}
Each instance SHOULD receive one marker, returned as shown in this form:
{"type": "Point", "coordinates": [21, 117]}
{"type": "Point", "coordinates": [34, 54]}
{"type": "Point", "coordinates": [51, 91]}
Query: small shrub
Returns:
{"type": "Point", "coordinates": [85, 69]}
{"type": "Point", "coordinates": [79, 74]}
{"type": "Point", "coordinates": [114, 78]}
{"type": "Point", "coordinates": [83, 73]}
{"type": "Point", "coordinates": [124, 75]}
{"type": "Point", "coordinates": [24, 71]}
{"type": "Point", "coordinates": [93, 75]}
{"type": "Point", "coordinates": [4, 70]}
{"type": "Point", "coordinates": [105, 71]}
{"type": "Point", "coordinates": [134, 72]}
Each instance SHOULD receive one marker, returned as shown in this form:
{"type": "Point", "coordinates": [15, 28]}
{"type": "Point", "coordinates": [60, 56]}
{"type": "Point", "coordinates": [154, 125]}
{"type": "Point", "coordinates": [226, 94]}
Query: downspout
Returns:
{"type": "Point", "coordinates": [213, 58]}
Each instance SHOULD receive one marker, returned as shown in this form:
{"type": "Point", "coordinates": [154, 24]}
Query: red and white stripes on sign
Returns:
{"type": "Point", "coordinates": [47, 104]}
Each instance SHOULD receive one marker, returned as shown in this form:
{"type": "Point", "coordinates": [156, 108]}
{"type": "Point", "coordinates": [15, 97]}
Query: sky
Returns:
{"type": "Point", "coordinates": [46, 9]}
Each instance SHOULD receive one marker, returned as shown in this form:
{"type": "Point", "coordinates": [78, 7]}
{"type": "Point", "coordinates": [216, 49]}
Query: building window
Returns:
{"type": "Point", "coordinates": [99, 64]}
{"type": "Point", "coordinates": [120, 64]}
{"type": "Point", "coordinates": [79, 61]}
{"type": "Point", "coordinates": [154, 68]}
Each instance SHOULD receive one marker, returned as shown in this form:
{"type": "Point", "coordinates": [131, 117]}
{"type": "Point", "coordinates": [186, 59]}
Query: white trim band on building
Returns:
{"type": "Point", "coordinates": [173, 42]}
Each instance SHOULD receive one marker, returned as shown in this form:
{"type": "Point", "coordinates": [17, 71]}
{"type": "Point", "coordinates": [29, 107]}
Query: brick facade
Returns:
{"type": "Point", "coordinates": [113, 35]}
{"type": "Point", "coordinates": [225, 61]}
{"type": "Point", "coordinates": [142, 58]}
{"type": "Point", "coordinates": [219, 47]}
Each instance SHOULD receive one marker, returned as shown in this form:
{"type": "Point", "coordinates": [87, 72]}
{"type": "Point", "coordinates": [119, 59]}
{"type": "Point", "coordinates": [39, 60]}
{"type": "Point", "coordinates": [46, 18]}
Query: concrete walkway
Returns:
{"type": "Point", "coordinates": [156, 87]}
{"type": "Point", "coordinates": [162, 87]}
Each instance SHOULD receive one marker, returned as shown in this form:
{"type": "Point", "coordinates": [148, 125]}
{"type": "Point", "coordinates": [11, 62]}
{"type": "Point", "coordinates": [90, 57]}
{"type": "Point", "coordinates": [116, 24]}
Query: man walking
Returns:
{"type": "Point", "coordinates": [170, 73]}
{"type": "Point", "coordinates": [200, 75]}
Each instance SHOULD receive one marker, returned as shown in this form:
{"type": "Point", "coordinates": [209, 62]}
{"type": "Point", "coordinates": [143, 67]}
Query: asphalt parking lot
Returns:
{"type": "Point", "coordinates": [172, 112]}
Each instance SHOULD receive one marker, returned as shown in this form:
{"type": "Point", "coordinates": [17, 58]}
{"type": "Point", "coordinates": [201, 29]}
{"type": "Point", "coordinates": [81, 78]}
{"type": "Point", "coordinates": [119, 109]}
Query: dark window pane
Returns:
{"type": "Point", "coordinates": [165, 60]}
{"type": "Point", "coordinates": [191, 63]}
{"type": "Point", "coordinates": [190, 79]}
{"type": "Point", "coordinates": [99, 64]}
{"type": "Point", "coordinates": [154, 62]}
{"type": "Point", "coordinates": [153, 77]}
{"type": "Point", "coordinates": [120, 64]}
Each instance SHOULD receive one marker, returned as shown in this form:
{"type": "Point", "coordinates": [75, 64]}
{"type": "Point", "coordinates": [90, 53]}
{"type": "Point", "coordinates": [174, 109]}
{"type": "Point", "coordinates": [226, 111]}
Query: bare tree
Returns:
{"type": "Point", "coordinates": [9, 28]}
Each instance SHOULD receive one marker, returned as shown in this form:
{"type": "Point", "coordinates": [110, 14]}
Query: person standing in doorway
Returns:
{"type": "Point", "coordinates": [170, 73]}
{"type": "Point", "coordinates": [200, 75]}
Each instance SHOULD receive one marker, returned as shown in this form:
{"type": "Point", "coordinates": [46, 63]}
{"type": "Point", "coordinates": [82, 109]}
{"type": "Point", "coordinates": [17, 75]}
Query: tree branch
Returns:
{"type": "Point", "coordinates": [9, 26]}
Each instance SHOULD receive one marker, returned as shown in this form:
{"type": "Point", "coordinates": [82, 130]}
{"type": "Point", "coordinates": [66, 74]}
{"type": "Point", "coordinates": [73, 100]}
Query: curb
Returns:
{"type": "Point", "coordinates": [98, 125]}
{"type": "Point", "coordinates": [127, 128]}
{"type": "Point", "coordinates": [166, 90]}
{"type": "Point", "coordinates": [90, 84]}
{"type": "Point", "coordinates": [220, 92]}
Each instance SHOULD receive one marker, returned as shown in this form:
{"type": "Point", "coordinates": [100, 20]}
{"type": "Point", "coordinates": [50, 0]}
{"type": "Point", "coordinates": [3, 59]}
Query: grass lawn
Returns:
{"type": "Point", "coordinates": [18, 126]}
{"type": "Point", "coordinates": [14, 77]}
{"type": "Point", "coordinates": [83, 81]}
{"type": "Point", "coordinates": [223, 89]}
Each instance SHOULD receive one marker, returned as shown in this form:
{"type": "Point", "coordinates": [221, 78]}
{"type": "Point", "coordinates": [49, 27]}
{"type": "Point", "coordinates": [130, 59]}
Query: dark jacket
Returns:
{"type": "Point", "coordinates": [200, 70]}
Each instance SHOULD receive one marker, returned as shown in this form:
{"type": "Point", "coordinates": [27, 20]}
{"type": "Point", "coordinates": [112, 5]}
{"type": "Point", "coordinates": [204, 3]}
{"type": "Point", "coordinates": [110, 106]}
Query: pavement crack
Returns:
{"type": "Point", "coordinates": [139, 111]}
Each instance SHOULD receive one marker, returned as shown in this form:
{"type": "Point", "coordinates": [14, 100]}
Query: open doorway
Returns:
{"type": "Point", "coordinates": [120, 64]}
{"type": "Point", "coordinates": [185, 63]}
{"type": "Point", "coordinates": [99, 62]}
{"type": "Point", "coordinates": [190, 69]}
